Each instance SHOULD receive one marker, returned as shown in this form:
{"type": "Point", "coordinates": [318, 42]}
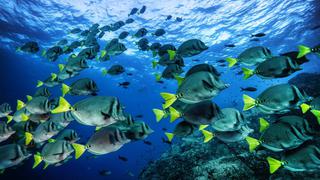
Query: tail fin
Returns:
{"type": "Point", "coordinates": [20, 105]}
{"type": "Point", "coordinates": [203, 126]}
{"type": "Point", "coordinates": [63, 106]}
{"type": "Point", "coordinates": [304, 107]}
{"type": "Point", "coordinates": [158, 77]}
{"type": "Point", "coordinates": [263, 124]}
{"type": "Point", "coordinates": [10, 118]}
{"type": "Point", "coordinates": [253, 143]}
{"type": "Point", "coordinates": [174, 114]}
{"type": "Point", "coordinates": [65, 89]}
{"type": "Point", "coordinates": [103, 53]}
{"type": "Point", "coordinates": [171, 54]}
{"type": "Point", "coordinates": [274, 164]}
{"type": "Point", "coordinates": [39, 84]}
{"type": "Point", "coordinates": [104, 72]}
{"type": "Point", "coordinates": [53, 76]}
{"type": "Point", "coordinates": [169, 99]}
{"type": "Point", "coordinates": [159, 114]}
{"type": "Point", "coordinates": [24, 117]}
{"type": "Point", "coordinates": [247, 73]}
{"type": "Point", "coordinates": [29, 98]}
{"type": "Point", "coordinates": [61, 67]}
{"type": "Point", "coordinates": [179, 79]}
{"type": "Point", "coordinates": [154, 64]}
{"type": "Point", "coordinates": [207, 135]}
{"type": "Point", "coordinates": [169, 136]}
{"type": "Point", "coordinates": [249, 102]}
{"type": "Point", "coordinates": [37, 160]}
{"type": "Point", "coordinates": [231, 61]}
{"type": "Point", "coordinates": [44, 52]}
{"type": "Point", "coordinates": [28, 138]}
{"type": "Point", "coordinates": [316, 113]}
{"type": "Point", "coordinates": [154, 53]}
{"type": "Point", "coordinates": [79, 149]}
{"type": "Point", "coordinates": [303, 50]}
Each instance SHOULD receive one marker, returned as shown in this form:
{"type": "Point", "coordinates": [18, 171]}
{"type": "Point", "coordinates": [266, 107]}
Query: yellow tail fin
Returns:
{"type": "Point", "coordinates": [10, 118]}
{"type": "Point", "coordinates": [24, 117]}
{"type": "Point", "coordinates": [65, 89]}
{"type": "Point", "coordinates": [154, 64]}
{"type": "Point", "coordinates": [64, 106]}
{"type": "Point", "coordinates": [61, 67]}
{"type": "Point", "coordinates": [158, 77]}
{"type": "Point", "coordinates": [20, 105]}
{"type": "Point", "coordinates": [45, 166]}
{"type": "Point", "coordinates": [174, 114]}
{"type": "Point", "coordinates": [169, 136]}
{"type": "Point", "coordinates": [203, 126]}
{"type": "Point", "coordinates": [159, 114]}
{"type": "Point", "coordinates": [303, 50]}
{"type": "Point", "coordinates": [154, 53]}
{"type": "Point", "coordinates": [104, 72]}
{"type": "Point", "coordinates": [253, 143]}
{"type": "Point", "coordinates": [274, 164]}
{"type": "Point", "coordinates": [249, 102]}
{"type": "Point", "coordinates": [29, 98]}
{"type": "Point", "coordinates": [169, 99]}
{"type": "Point", "coordinates": [172, 54]}
{"type": "Point", "coordinates": [53, 76]}
{"type": "Point", "coordinates": [263, 124]}
{"type": "Point", "coordinates": [247, 73]}
{"type": "Point", "coordinates": [39, 84]}
{"type": "Point", "coordinates": [179, 79]}
{"type": "Point", "coordinates": [207, 135]}
{"type": "Point", "coordinates": [103, 53]}
{"type": "Point", "coordinates": [231, 61]}
{"type": "Point", "coordinates": [37, 160]}
{"type": "Point", "coordinates": [79, 149]}
{"type": "Point", "coordinates": [28, 138]}
{"type": "Point", "coordinates": [304, 108]}
{"type": "Point", "coordinates": [44, 52]}
{"type": "Point", "coordinates": [316, 113]}
{"type": "Point", "coordinates": [73, 55]}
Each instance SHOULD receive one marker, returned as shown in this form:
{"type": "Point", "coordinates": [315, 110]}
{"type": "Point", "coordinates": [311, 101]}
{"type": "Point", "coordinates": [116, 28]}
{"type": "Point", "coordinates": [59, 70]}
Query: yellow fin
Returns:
{"type": "Point", "coordinates": [64, 106]}
{"type": "Point", "coordinates": [159, 114]}
{"type": "Point", "coordinates": [28, 138]}
{"type": "Point", "coordinates": [263, 124]}
{"type": "Point", "coordinates": [174, 114]}
{"type": "Point", "coordinates": [203, 126]}
{"type": "Point", "coordinates": [154, 53]}
{"type": "Point", "coordinates": [231, 61]}
{"type": "Point", "coordinates": [304, 107]}
{"type": "Point", "coordinates": [169, 99]}
{"type": "Point", "coordinates": [10, 118]}
{"type": "Point", "coordinates": [61, 67]}
{"type": "Point", "coordinates": [154, 64]}
{"type": "Point", "coordinates": [179, 79]}
{"type": "Point", "coordinates": [65, 89]}
{"type": "Point", "coordinates": [51, 140]}
{"type": "Point", "coordinates": [24, 117]}
{"type": "Point", "coordinates": [79, 149]}
{"type": "Point", "coordinates": [247, 73]}
{"type": "Point", "coordinates": [172, 54]}
{"type": "Point", "coordinates": [274, 164]}
{"type": "Point", "coordinates": [73, 56]}
{"type": "Point", "coordinates": [20, 104]}
{"type": "Point", "coordinates": [303, 50]}
{"type": "Point", "coordinates": [158, 77]}
{"type": "Point", "coordinates": [37, 160]}
{"type": "Point", "coordinates": [104, 72]}
{"type": "Point", "coordinates": [103, 53]}
{"type": "Point", "coordinates": [98, 128]}
{"type": "Point", "coordinates": [44, 52]}
{"type": "Point", "coordinates": [46, 165]}
{"type": "Point", "coordinates": [29, 98]}
{"type": "Point", "coordinates": [253, 143]}
{"type": "Point", "coordinates": [39, 84]}
{"type": "Point", "coordinates": [207, 135]}
{"type": "Point", "coordinates": [316, 113]}
{"type": "Point", "coordinates": [169, 136]}
{"type": "Point", "coordinates": [53, 76]}
{"type": "Point", "coordinates": [249, 102]}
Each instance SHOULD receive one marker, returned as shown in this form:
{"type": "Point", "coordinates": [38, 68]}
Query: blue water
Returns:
{"type": "Point", "coordinates": [287, 23]}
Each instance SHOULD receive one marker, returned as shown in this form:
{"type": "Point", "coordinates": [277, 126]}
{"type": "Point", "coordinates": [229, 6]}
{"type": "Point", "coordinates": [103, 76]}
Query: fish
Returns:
{"type": "Point", "coordinates": [313, 106]}
{"type": "Point", "coordinates": [184, 129]}
{"type": "Point", "coordinates": [43, 91]}
{"type": "Point", "coordinates": [166, 141]}
{"type": "Point", "coordinates": [277, 99]}
{"type": "Point", "coordinates": [147, 142]}
{"type": "Point", "coordinates": [101, 34]}
{"type": "Point", "coordinates": [75, 31]}
{"type": "Point", "coordinates": [129, 21]}
{"type": "Point", "coordinates": [27, 126]}
{"type": "Point", "coordinates": [229, 45]}
{"type": "Point", "coordinates": [122, 158]}
{"type": "Point", "coordinates": [52, 81]}
{"type": "Point", "coordinates": [179, 19]}
{"type": "Point", "coordinates": [117, 25]}
{"type": "Point", "coordinates": [170, 72]}
{"type": "Point", "coordinates": [164, 49]}
{"type": "Point", "coordinates": [168, 17]}
{"type": "Point", "coordinates": [114, 70]}
{"type": "Point", "coordinates": [74, 45]}
{"type": "Point", "coordinates": [123, 35]}
{"type": "Point", "coordinates": [251, 57]}
{"type": "Point", "coordinates": [36, 105]}
{"type": "Point", "coordinates": [113, 48]}
{"type": "Point", "coordinates": [304, 50]}
{"type": "Point", "coordinates": [53, 53]}
{"type": "Point", "coordinates": [159, 32]}
{"type": "Point", "coordinates": [143, 9]}
{"type": "Point", "coordinates": [68, 135]}
{"type": "Point", "coordinates": [275, 67]}
{"type": "Point", "coordinates": [140, 33]}
{"type": "Point", "coordinates": [143, 44]}
{"type": "Point", "coordinates": [154, 48]}
{"type": "Point", "coordinates": [138, 131]}
{"type": "Point", "coordinates": [19, 116]}
{"type": "Point", "coordinates": [139, 116]}
{"type": "Point", "coordinates": [12, 155]}
{"type": "Point", "coordinates": [258, 35]}
{"type": "Point", "coordinates": [29, 47]}
{"type": "Point", "coordinates": [5, 110]}
{"type": "Point", "coordinates": [234, 136]}
{"type": "Point", "coordinates": [228, 119]}
{"type": "Point", "coordinates": [124, 84]}
{"type": "Point", "coordinates": [195, 60]}
{"type": "Point", "coordinates": [166, 61]}
{"type": "Point", "coordinates": [303, 158]}
{"type": "Point", "coordinates": [62, 42]}
{"type": "Point", "coordinates": [39, 118]}
{"type": "Point", "coordinates": [293, 56]}
{"type": "Point", "coordinates": [105, 172]}
{"type": "Point", "coordinates": [248, 89]}
{"type": "Point", "coordinates": [255, 39]}
{"type": "Point", "coordinates": [133, 11]}
{"type": "Point", "coordinates": [5, 131]}
{"type": "Point", "coordinates": [62, 119]}
{"type": "Point", "coordinates": [81, 87]}
{"type": "Point", "coordinates": [191, 48]}
{"type": "Point", "coordinates": [88, 53]}
{"type": "Point", "coordinates": [105, 28]}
